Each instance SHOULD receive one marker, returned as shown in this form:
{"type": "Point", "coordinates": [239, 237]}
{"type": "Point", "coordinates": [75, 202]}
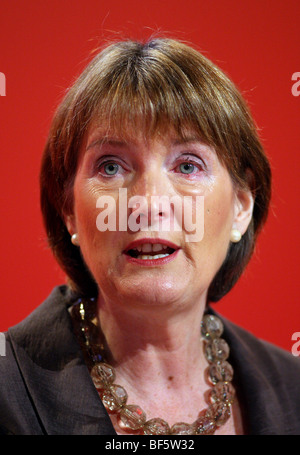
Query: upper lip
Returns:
{"type": "Point", "coordinates": [143, 241]}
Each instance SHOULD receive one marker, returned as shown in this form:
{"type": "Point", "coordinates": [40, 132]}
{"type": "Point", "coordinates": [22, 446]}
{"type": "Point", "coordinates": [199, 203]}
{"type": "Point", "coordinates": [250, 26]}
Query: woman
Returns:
{"type": "Point", "coordinates": [150, 135]}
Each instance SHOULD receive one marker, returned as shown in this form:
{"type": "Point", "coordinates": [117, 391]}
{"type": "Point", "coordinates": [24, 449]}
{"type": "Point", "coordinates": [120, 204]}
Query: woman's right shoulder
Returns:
{"type": "Point", "coordinates": [16, 411]}
{"type": "Point", "coordinates": [20, 347]}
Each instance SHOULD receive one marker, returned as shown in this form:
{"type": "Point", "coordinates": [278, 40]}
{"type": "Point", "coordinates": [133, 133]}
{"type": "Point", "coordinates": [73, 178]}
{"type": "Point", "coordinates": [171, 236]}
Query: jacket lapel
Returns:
{"type": "Point", "coordinates": [254, 371]}
{"type": "Point", "coordinates": [56, 377]}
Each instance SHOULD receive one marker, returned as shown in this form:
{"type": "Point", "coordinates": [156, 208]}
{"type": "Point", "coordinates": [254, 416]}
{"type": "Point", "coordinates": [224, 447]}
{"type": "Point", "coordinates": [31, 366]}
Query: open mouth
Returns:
{"type": "Point", "coordinates": [150, 251]}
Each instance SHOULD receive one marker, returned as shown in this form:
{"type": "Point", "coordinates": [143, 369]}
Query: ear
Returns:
{"type": "Point", "coordinates": [70, 223]}
{"type": "Point", "coordinates": [72, 229]}
{"type": "Point", "coordinates": [243, 208]}
{"type": "Point", "coordinates": [243, 211]}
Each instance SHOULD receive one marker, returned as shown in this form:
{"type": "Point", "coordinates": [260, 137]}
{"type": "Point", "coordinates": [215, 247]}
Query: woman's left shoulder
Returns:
{"type": "Point", "coordinates": [268, 378]}
{"type": "Point", "coordinates": [260, 350]}
{"type": "Point", "coordinates": [244, 343]}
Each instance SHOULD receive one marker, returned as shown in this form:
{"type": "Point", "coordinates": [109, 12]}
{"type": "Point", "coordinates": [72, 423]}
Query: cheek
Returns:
{"type": "Point", "coordinates": [217, 226]}
{"type": "Point", "coordinates": [218, 217]}
{"type": "Point", "coordinates": [97, 246]}
{"type": "Point", "coordinates": [85, 213]}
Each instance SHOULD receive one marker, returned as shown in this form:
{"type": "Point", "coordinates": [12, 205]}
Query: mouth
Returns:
{"type": "Point", "coordinates": [151, 251]}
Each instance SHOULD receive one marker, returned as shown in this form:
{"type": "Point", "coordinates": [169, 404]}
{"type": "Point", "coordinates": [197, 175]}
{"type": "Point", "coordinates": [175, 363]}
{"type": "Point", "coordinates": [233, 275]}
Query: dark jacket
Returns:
{"type": "Point", "coordinates": [45, 387]}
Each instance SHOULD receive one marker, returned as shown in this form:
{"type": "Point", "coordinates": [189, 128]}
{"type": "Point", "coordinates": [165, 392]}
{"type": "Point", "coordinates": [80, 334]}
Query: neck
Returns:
{"type": "Point", "coordinates": [144, 342]}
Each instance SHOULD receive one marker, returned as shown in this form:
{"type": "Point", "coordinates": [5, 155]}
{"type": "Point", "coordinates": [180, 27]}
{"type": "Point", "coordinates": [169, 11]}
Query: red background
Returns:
{"type": "Point", "coordinates": [44, 44]}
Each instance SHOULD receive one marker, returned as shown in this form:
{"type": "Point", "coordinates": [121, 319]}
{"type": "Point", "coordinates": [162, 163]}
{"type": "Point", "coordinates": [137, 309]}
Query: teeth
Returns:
{"type": "Point", "coordinates": [150, 247]}
{"type": "Point", "coordinates": [156, 256]}
{"type": "Point", "coordinates": [157, 247]}
{"type": "Point", "coordinates": [147, 248]}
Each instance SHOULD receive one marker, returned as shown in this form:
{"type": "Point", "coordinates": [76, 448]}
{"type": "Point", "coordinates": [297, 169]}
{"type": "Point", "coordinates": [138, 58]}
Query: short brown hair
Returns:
{"type": "Point", "coordinates": [155, 83]}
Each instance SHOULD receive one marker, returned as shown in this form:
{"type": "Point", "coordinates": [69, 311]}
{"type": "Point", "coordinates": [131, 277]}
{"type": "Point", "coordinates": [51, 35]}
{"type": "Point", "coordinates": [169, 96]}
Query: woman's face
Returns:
{"type": "Point", "coordinates": [164, 265]}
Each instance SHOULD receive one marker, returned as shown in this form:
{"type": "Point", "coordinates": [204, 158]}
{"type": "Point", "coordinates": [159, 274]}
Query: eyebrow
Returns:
{"type": "Point", "coordinates": [110, 141]}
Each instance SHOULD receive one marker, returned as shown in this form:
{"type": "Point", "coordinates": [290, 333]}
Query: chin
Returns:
{"type": "Point", "coordinates": [153, 292]}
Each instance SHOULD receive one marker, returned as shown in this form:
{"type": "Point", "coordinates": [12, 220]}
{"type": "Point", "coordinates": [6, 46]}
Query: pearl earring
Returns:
{"type": "Point", "coordinates": [235, 236]}
{"type": "Point", "coordinates": [74, 239]}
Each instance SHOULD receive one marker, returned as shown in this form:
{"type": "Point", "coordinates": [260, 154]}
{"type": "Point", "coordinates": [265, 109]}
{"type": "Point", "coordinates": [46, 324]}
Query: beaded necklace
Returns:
{"type": "Point", "coordinates": [114, 397]}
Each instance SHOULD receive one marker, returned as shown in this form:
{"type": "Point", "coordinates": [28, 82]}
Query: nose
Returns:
{"type": "Point", "coordinates": [149, 204]}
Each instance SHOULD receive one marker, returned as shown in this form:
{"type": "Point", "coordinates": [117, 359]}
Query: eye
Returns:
{"type": "Point", "coordinates": [187, 168]}
{"type": "Point", "coordinates": [190, 165]}
{"type": "Point", "coordinates": [111, 168]}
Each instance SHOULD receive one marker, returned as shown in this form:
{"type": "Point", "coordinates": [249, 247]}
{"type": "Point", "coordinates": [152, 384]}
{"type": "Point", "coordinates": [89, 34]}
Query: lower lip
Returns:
{"type": "Point", "coordinates": [152, 262]}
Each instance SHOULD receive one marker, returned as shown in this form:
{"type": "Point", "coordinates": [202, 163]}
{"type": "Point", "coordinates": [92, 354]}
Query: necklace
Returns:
{"type": "Point", "coordinates": [114, 397]}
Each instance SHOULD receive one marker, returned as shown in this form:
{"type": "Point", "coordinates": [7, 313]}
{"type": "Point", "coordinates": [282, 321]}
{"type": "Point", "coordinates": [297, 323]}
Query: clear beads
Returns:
{"type": "Point", "coordinates": [205, 425]}
{"type": "Point", "coordinates": [217, 350]}
{"type": "Point", "coordinates": [211, 327]}
{"type": "Point", "coordinates": [182, 428]}
{"type": "Point", "coordinates": [156, 426]}
{"type": "Point", "coordinates": [221, 371]}
{"type": "Point", "coordinates": [223, 392]}
{"type": "Point", "coordinates": [132, 417]}
{"type": "Point", "coordinates": [114, 398]}
{"type": "Point", "coordinates": [219, 413]}
{"type": "Point", "coordinates": [103, 375]}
